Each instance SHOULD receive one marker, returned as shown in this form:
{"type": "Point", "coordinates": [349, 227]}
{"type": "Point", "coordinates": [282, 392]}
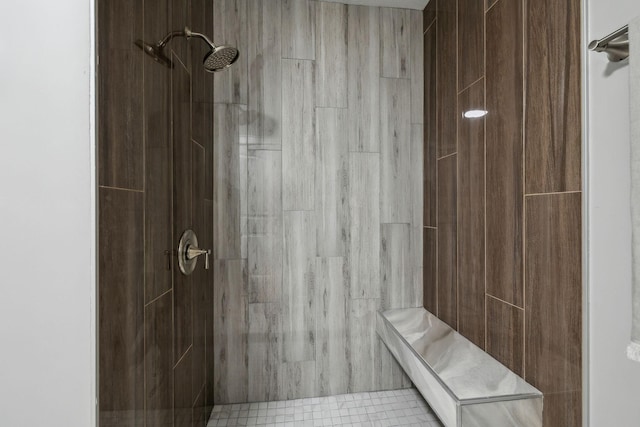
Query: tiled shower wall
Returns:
{"type": "Point", "coordinates": [502, 234]}
{"type": "Point", "coordinates": [317, 197]}
{"type": "Point", "coordinates": [155, 159]}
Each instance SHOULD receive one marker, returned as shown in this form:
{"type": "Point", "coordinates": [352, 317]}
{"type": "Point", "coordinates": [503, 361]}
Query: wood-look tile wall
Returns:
{"type": "Point", "coordinates": [155, 163]}
{"type": "Point", "coordinates": [317, 195]}
{"type": "Point", "coordinates": [502, 194]}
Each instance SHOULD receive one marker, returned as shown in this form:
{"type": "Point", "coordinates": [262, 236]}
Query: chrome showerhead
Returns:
{"type": "Point", "coordinates": [219, 58]}
{"type": "Point", "coordinates": [156, 52]}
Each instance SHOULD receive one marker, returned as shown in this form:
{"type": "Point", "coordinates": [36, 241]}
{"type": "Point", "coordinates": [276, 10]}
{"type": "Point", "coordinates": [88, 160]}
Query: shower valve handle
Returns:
{"type": "Point", "coordinates": [193, 252]}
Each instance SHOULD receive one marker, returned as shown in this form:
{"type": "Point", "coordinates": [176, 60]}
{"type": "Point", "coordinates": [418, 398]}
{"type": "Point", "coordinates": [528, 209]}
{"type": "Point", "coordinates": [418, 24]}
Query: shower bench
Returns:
{"type": "Point", "coordinates": [462, 383]}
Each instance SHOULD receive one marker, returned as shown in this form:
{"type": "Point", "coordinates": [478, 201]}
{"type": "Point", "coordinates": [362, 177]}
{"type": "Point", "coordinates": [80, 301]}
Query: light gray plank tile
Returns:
{"type": "Point", "coordinates": [230, 331]}
{"type": "Point", "coordinates": [395, 59]}
{"type": "Point", "coordinates": [364, 78]}
{"type": "Point", "coordinates": [396, 271]}
{"type": "Point", "coordinates": [364, 215]}
{"type": "Point", "coordinates": [298, 135]}
{"type": "Point", "coordinates": [298, 323]}
{"type": "Point", "coordinates": [264, 352]}
{"type": "Point", "coordinates": [230, 28]}
{"type": "Point", "coordinates": [332, 296]}
{"type": "Point", "coordinates": [363, 344]}
{"type": "Point", "coordinates": [298, 29]}
{"type": "Point", "coordinates": [265, 71]}
{"type": "Point", "coordinates": [331, 55]}
{"type": "Point", "coordinates": [389, 374]}
{"type": "Point", "coordinates": [395, 151]}
{"type": "Point", "coordinates": [332, 182]}
{"type": "Point", "coordinates": [417, 208]}
{"type": "Point", "coordinates": [244, 201]}
{"type": "Point", "coordinates": [265, 226]}
{"type": "Point", "coordinates": [417, 67]}
{"type": "Point", "coordinates": [298, 380]}
{"type": "Point", "coordinates": [227, 188]}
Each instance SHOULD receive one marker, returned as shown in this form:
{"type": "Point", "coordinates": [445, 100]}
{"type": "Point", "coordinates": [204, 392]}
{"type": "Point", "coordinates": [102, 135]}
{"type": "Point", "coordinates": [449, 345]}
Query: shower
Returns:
{"type": "Point", "coordinates": [217, 59]}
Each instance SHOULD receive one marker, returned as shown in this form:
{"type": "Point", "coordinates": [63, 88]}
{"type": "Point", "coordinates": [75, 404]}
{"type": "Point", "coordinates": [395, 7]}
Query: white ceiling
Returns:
{"type": "Point", "coordinates": [404, 4]}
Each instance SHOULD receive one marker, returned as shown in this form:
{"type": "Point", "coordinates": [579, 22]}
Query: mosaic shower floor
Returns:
{"type": "Point", "coordinates": [383, 409]}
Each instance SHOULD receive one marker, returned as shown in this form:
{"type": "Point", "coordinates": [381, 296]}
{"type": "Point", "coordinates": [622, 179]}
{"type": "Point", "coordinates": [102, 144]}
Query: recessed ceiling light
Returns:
{"type": "Point", "coordinates": [475, 114]}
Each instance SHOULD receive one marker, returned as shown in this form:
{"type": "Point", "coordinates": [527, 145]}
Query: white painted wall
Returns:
{"type": "Point", "coordinates": [47, 338]}
{"type": "Point", "coordinates": [614, 380]}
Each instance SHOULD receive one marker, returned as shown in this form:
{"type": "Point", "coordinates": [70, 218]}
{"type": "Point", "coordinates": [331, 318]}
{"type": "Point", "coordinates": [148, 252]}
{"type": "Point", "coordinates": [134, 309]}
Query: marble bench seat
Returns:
{"type": "Point", "coordinates": [462, 383]}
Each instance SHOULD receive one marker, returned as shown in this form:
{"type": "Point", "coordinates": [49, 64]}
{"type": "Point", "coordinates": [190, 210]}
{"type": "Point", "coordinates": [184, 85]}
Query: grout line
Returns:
{"type": "Point", "coordinates": [183, 356]}
{"type": "Point", "coordinates": [524, 187]}
{"type": "Point", "coordinates": [448, 155]}
{"type": "Point", "coordinates": [430, 227]}
{"type": "Point", "coordinates": [505, 302]}
{"type": "Point", "coordinates": [197, 143]}
{"type": "Point", "coordinates": [107, 187]}
{"type": "Point", "coordinates": [492, 6]}
{"type": "Point", "coordinates": [553, 193]}
{"type": "Point", "coordinates": [431, 24]}
{"type": "Point", "coordinates": [158, 297]}
{"type": "Point", "coordinates": [486, 326]}
{"type": "Point", "coordinates": [457, 216]}
{"type": "Point", "coordinates": [470, 86]}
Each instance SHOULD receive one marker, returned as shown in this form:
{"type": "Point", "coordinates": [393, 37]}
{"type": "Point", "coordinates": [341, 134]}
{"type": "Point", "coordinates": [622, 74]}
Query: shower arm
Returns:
{"type": "Point", "coordinates": [187, 33]}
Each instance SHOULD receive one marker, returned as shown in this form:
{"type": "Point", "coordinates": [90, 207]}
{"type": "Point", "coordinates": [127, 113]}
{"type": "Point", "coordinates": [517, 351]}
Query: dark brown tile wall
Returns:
{"type": "Point", "coordinates": [447, 241]}
{"type": "Point", "coordinates": [503, 261]}
{"type": "Point", "coordinates": [155, 139]}
{"type": "Point", "coordinates": [471, 289]}
{"type": "Point", "coordinates": [504, 152]}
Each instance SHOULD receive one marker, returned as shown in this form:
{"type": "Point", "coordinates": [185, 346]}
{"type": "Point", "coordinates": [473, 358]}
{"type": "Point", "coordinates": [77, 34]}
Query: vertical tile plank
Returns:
{"type": "Point", "coordinates": [415, 238]}
{"type": "Point", "coordinates": [395, 266]}
{"type": "Point", "coordinates": [264, 352]}
{"type": "Point", "coordinates": [182, 394]}
{"type": "Point", "coordinates": [332, 296]}
{"type": "Point", "coordinates": [447, 70]}
{"type": "Point", "coordinates": [120, 139]}
{"type": "Point", "coordinates": [447, 241]}
{"type": "Point", "coordinates": [230, 28]}
{"type": "Point", "coordinates": [363, 344]}
{"type": "Point", "coordinates": [331, 55]}
{"type": "Point", "coordinates": [430, 126]}
{"type": "Point", "coordinates": [120, 297]}
{"type": "Point", "coordinates": [226, 192]}
{"type": "Point", "coordinates": [364, 76]}
{"type": "Point", "coordinates": [417, 67]}
{"type": "Point", "coordinates": [364, 213]}
{"type": "Point", "coordinates": [471, 35]}
{"type": "Point", "coordinates": [298, 379]}
{"type": "Point", "coordinates": [395, 150]}
{"type": "Point", "coordinates": [562, 409]}
{"type": "Point", "coordinates": [298, 322]}
{"type": "Point", "coordinates": [395, 43]}
{"type": "Point", "coordinates": [120, 24]}
{"type": "Point", "coordinates": [265, 71]}
{"type": "Point", "coordinates": [553, 266]}
{"type": "Point", "coordinates": [298, 135]}
{"type": "Point", "coordinates": [201, 80]}
{"type": "Point", "coordinates": [505, 334]}
{"type": "Point", "coordinates": [332, 185]}
{"type": "Point", "coordinates": [209, 314]}
{"type": "Point", "coordinates": [230, 331]}
{"type": "Point", "coordinates": [299, 29]}
{"type": "Point", "coordinates": [159, 362]}
{"type": "Point", "coordinates": [471, 216]}
{"type": "Point", "coordinates": [504, 152]}
{"type": "Point", "coordinates": [158, 183]}
{"type": "Point", "coordinates": [553, 104]}
{"type": "Point", "coordinates": [265, 226]}
{"type": "Point", "coordinates": [182, 203]}
{"type": "Point", "coordinates": [389, 374]}
{"type": "Point", "coordinates": [429, 13]}
{"type": "Point", "coordinates": [430, 290]}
